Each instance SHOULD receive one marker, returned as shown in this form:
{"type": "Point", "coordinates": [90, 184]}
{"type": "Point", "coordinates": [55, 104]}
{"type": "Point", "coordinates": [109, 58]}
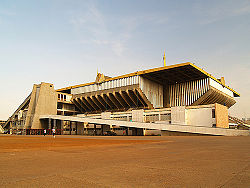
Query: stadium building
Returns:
{"type": "Point", "coordinates": [180, 99]}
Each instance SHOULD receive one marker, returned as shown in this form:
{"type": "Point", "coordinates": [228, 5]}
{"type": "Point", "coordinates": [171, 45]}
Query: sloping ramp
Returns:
{"type": "Point", "coordinates": [158, 126]}
{"type": "Point", "coordinates": [25, 102]}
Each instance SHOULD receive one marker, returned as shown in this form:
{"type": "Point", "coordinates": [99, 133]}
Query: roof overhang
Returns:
{"type": "Point", "coordinates": [172, 74]}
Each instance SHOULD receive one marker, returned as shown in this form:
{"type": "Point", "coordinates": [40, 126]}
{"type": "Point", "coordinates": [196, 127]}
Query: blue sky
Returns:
{"type": "Point", "coordinates": [64, 42]}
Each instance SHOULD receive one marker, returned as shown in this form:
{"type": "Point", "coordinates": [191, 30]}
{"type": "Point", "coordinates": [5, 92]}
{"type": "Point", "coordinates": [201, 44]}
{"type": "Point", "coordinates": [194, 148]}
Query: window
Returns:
{"type": "Point", "coordinates": [213, 113]}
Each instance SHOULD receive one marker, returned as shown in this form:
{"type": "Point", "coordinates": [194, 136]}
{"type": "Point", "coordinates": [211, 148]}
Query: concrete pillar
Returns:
{"type": "Point", "coordinates": [70, 127]}
{"type": "Point", "coordinates": [138, 116]}
{"type": "Point", "coordinates": [62, 124]}
{"type": "Point", "coordinates": [94, 129]}
{"type": "Point", "coordinates": [54, 124]}
{"type": "Point", "coordinates": [49, 123]}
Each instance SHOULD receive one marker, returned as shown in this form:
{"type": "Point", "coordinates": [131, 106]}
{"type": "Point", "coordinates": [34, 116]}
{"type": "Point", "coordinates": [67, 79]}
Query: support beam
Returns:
{"type": "Point", "coordinates": [131, 97]}
{"type": "Point", "coordinates": [113, 100]}
{"type": "Point", "coordinates": [124, 98]}
{"type": "Point", "coordinates": [82, 104]}
{"type": "Point", "coordinates": [89, 100]}
{"type": "Point", "coordinates": [138, 97]}
{"type": "Point", "coordinates": [85, 102]}
{"type": "Point", "coordinates": [108, 101]}
{"type": "Point", "coordinates": [144, 99]}
{"type": "Point", "coordinates": [119, 99]}
{"type": "Point", "coordinates": [102, 101]}
{"type": "Point", "coordinates": [77, 103]}
{"type": "Point", "coordinates": [97, 103]}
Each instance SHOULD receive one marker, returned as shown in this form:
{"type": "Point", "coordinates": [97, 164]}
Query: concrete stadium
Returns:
{"type": "Point", "coordinates": [180, 99]}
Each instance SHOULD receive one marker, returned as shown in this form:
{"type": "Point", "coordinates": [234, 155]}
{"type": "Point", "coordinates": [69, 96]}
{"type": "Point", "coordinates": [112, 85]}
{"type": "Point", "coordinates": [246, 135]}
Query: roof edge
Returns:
{"type": "Point", "coordinates": [153, 70]}
{"type": "Point", "coordinates": [215, 79]}
{"type": "Point", "coordinates": [127, 75]}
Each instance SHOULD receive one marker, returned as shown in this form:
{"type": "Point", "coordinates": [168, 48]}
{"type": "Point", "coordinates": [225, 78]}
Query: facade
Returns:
{"type": "Point", "coordinates": [181, 94]}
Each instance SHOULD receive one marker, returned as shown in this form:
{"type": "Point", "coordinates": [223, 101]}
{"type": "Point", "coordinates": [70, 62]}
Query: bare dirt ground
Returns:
{"type": "Point", "coordinates": [77, 161]}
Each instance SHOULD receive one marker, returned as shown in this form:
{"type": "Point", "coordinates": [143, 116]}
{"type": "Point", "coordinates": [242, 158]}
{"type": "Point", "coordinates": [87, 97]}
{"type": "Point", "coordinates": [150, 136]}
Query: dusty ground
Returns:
{"type": "Point", "coordinates": [199, 161]}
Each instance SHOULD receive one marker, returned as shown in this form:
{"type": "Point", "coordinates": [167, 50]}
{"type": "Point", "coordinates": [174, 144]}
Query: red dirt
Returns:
{"type": "Point", "coordinates": [191, 161]}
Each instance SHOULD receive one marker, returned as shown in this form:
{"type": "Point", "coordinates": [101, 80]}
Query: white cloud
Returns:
{"type": "Point", "coordinates": [99, 27]}
{"type": "Point", "coordinates": [94, 23]}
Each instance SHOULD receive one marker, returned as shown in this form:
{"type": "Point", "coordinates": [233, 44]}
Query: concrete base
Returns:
{"type": "Point", "coordinates": [174, 133]}
{"type": "Point", "coordinates": [163, 127]}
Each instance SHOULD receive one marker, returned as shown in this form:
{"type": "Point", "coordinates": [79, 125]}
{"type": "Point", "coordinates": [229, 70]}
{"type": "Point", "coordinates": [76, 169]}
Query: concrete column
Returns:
{"type": "Point", "coordinates": [70, 127]}
{"type": "Point", "coordinates": [62, 123]}
{"type": "Point", "coordinates": [54, 124]}
{"type": "Point", "coordinates": [94, 129]}
{"type": "Point", "coordinates": [138, 116]}
{"type": "Point", "coordinates": [49, 123]}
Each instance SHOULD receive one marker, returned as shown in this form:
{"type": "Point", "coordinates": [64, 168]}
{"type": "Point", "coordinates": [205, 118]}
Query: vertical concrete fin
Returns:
{"type": "Point", "coordinates": [43, 101]}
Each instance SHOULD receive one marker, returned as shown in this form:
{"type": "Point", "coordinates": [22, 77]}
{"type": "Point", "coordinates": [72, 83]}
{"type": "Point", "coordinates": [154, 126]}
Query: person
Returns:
{"type": "Point", "coordinates": [44, 132]}
{"type": "Point", "coordinates": [54, 132]}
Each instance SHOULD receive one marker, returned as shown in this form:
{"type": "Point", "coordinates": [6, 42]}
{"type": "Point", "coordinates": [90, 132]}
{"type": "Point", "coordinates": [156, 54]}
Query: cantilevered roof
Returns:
{"type": "Point", "coordinates": [167, 75]}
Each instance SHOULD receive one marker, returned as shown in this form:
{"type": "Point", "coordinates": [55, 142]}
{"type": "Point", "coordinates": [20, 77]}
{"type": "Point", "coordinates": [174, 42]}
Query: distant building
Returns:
{"type": "Point", "coordinates": [168, 100]}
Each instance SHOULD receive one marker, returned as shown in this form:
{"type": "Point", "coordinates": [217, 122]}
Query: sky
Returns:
{"type": "Point", "coordinates": [64, 42]}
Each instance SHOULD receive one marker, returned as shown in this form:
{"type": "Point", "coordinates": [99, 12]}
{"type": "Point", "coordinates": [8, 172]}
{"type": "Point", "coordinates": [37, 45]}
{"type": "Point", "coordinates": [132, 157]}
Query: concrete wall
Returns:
{"type": "Point", "coordinates": [137, 115]}
{"type": "Point", "coordinates": [221, 115]}
{"type": "Point", "coordinates": [200, 117]}
{"type": "Point", "coordinates": [195, 116]}
{"type": "Point", "coordinates": [153, 91]}
{"type": "Point", "coordinates": [174, 133]}
{"type": "Point", "coordinates": [152, 132]}
{"type": "Point", "coordinates": [43, 102]}
{"type": "Point", "coordinates": [178, 115]}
